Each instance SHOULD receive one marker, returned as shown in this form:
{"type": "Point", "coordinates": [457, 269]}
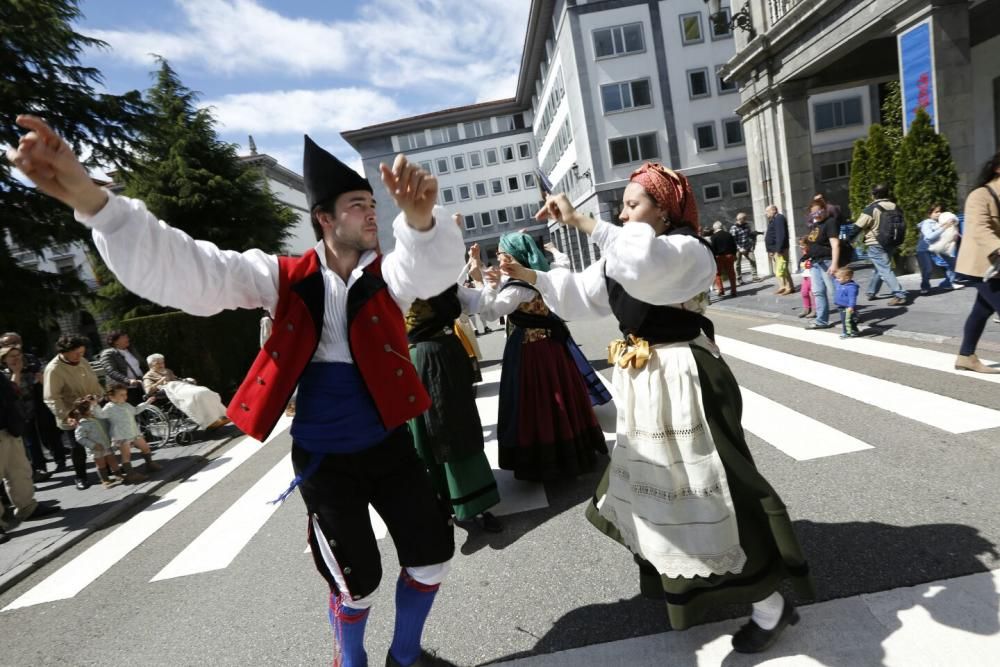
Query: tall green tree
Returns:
{"type": "Point", "coordinates": [187, 176]}
{"type": "Point", "coordinates": [41, 73]}
{"type": "Point", "coordinates": [860, 184]}
{"type": "Point", "coordinates": [880, 167]}
{"type": "Point", "coordinates": [892, 115]}
{"type": "Point", "coordinates": [925, 174]}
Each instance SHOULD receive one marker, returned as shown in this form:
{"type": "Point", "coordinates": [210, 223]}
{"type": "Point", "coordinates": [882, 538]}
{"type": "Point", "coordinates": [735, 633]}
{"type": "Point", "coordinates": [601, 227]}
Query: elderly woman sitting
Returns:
{"type": "Point", "coordinates": [201, 404]}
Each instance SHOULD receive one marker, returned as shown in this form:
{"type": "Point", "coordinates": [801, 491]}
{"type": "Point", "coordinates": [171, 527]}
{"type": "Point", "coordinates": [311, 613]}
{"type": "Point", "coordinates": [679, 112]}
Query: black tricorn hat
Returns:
{"type": "Point", "coordinates": [326, 177]}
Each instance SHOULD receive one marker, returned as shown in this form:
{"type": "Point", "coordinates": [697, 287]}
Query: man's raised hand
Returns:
{"type": "Point", "coordinates": [45, 158]}
{"type": "Point", "coordinates": [413, 189]}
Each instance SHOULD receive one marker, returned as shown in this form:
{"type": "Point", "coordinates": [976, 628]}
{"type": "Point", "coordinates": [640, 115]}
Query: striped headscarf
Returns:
{"type": "Point", "coordinates": [523, 248]}
{"type": "Point", "coordinates": [671, 192]}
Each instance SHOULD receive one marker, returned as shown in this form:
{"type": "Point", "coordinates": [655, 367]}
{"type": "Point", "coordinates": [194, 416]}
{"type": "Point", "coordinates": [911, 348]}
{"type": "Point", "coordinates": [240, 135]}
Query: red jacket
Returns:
{"type": "Point", "coordinates": [376, 335]}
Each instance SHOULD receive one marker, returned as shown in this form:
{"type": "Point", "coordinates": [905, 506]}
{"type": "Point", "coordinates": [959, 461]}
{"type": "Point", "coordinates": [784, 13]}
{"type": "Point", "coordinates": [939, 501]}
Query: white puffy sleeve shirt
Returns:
{"type": "Point", "coordinates": [659, 270]}
{"type": "Point", "coordinates": [167, 266]}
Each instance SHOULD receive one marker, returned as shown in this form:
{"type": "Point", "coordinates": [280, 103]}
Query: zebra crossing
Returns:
{"type": "Point", "coordinates": [781, 427]}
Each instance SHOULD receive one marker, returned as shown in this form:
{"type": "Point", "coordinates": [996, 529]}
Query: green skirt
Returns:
{"type": "Point", "coordinates": [765, 529]}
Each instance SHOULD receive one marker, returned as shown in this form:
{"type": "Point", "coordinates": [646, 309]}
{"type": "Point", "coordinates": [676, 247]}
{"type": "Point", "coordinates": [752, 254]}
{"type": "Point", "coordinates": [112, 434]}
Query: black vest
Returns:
{"type": "Point", "coordinates": [657, 324]}
{"type": "Point", "coordinates": [557, 328]}
{"type": "Point", "coordinates": [430, 318]}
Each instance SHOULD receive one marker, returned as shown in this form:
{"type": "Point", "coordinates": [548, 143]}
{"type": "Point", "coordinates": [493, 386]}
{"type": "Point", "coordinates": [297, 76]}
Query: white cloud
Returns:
{"type": "Point", "coordinates": [283, 111]}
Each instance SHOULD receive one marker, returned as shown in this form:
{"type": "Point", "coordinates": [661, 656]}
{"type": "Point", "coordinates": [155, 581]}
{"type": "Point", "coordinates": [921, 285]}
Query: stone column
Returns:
{"type": "Point", "coordinates": [796, 183]}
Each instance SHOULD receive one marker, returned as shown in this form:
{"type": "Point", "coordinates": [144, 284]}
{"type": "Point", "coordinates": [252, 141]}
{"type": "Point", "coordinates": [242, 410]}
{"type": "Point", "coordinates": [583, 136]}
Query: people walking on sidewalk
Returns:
{"type": "Point", "coordinates": [847, 300]}
{"type": "Point", "coordinates": [805, 268]}
{"type": "Point", "coordinates": [94, 434]}
{"type": "Point", "coordinates": [125, 431]}
{"type": "Point", "coordinates": [824, 259]}
{"type": "Point", "coordinates": [979, 262]}
{"type": "Point", "coordinates": [546, 426]}
{"type": "Point", "coordinates": [935, 230]}
{"type": "Point", "coordinates": [724, 248]}
{"type": "Point", "coordinates": [68, 378]}
{"type": "Point", "coordinates": [682, 492]}
{"type": "Point", "coordinates": [776, 244]}
{"type": "Point", "coordinates": [882, 225]}
{"type": "Point", "coordinates": [338, 336]}
{"type": "Point", "coordinates": [746, 240]}
{"type": "Point", "coordinates": [123, 365]}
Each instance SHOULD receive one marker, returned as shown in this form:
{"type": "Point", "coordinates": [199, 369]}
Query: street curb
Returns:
{"type": "Point", "coordinates": [911, 335]}
{"type": "Point", "coordinates": [14, 576]}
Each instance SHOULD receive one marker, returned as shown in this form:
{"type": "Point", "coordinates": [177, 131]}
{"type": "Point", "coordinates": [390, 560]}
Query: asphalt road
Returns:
{"type": "Point", "coordinates": [917, 505]}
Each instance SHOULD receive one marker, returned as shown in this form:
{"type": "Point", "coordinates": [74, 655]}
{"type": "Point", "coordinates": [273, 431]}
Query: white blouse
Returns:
{"type": "Point", "coordinates": [166, 266]}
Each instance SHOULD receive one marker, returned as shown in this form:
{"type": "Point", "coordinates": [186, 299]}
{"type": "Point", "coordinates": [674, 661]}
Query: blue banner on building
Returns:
{"type": "Point", "coordinates": [916, 72]}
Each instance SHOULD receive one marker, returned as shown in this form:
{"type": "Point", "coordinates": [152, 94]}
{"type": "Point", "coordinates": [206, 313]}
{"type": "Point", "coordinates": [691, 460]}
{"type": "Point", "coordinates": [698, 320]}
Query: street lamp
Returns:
{"type": "Point", "coordinates": [579, 175]}
{"type": "Point", "coordinates": [740, 19]}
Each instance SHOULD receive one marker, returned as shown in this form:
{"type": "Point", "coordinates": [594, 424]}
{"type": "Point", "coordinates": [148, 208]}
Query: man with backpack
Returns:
{"type": "Point", "coordinates": [884, 229]}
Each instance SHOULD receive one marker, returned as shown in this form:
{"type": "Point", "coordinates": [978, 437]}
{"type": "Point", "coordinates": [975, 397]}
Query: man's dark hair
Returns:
{"type": "Point", "coordinates": [321, 207]}
{"type": "Point", "coordinates": [112, 336]}
{"type": "Point", "coordinates": [880, 191]}
{"type": "Point", "coordinates": [69, 342]}
{"type": "Point", "coordinates": [989, 171]}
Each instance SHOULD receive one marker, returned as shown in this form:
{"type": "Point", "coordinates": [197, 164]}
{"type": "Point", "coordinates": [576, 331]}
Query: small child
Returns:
{"type": "Point", "coordinates": [846, 299]}
{"type": "Point", "coordinates": [92, 434]}
{"type": "Point", "coordinates": [805, 265]}
{"type": "Point", "coordinates": [125, 432]}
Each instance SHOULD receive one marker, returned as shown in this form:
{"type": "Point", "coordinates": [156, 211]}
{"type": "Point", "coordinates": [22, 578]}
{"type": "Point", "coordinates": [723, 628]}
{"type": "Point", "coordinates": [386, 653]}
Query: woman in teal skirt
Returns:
{"type": "Point", "coordinates": [682, 492]}
{"type": "Point", "coordinates": [449, 436]}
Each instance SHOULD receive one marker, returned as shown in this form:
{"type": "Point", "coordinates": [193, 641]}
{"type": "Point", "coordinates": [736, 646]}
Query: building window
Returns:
{"type": "Point", "coordinates": [491, 156]}
{"type": "Point", "coordinates": [447, 195]}
{"type": "Point", "coordinates": [475, 159]}
{"type": "Point", "coordinates": [711, 192]}
{"type": "Point", "coordinates": [698, 83]}
{"type": "Point", "coordinates": [732, 129]}
{"type": "Point", "coordinates": [426, 166]}
{"type": "Point", "coordinates": [529, 181]}
{"type": "Point", "coordinates": [478, 128]}
{"type": "Point", "coordinates": [485, 219]}
{"type": "Point", "coordinates": [618, 40]}
{"type": "Point", "coordinates": [481, 189]}
{"type": "Point", "coordinates": [458, 162]}
{"type": "Point", "coordinates": [691, 28]}
{"type": "Point", "coordinates": [633, 149]}
{"type": "Point", "coordinates": [470, 222]}
{"type": "Point", "coordinates": [720, 29]}
{"type": "Point", "coordinates": [628, 95]}
{"type": "Point", "coordinates": [409, 142]}
{"type": "Point", "coordinates": [496, 185]}
{"type": "Point", "coordinates": [464, 193]}
{"type": "Point", "coordinates": [722, 85]}
{"type": "Point", "coordinates": [443, 135]}
{"type": "Point", "coordinates": [518, 212]}
{"type": "Point", "coordinates": [532, 210]}
{"type": "Point", "coordinates": [442, 165]}
{"type": "Point", "coordinates": [508, 153]}
{"type": "Point", "coordinates": [512, 122]}
{"type": "Point", "coordinates": [837, 113]}
{"type": "Point", "coordinates": [704, 135]}
{"type": "Point", "coordinates": [513, 184]}
{"type": "Point", "coordinates": [524, 150]}
{"type": "Point", "coordinates": [739, 187]}
{"type": "Point", "coordinates": [501, 215]}
{"type": "Point", "coordinates": [66, 265]}
{"type": "Point", "coordinates": [834, 171]}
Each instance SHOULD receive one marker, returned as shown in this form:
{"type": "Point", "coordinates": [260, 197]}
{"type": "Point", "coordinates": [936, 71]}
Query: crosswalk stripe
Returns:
{"type": "Point", "coordinates": [912, 356]}
{"type": "Point", "coordinates": [217, 546]}
{"type": "Point", "coordinates": [934, 410]}
{"type": "Point", "coordinates": [801, 437]}
{"type": "Point", "coordinates": [80, 572]}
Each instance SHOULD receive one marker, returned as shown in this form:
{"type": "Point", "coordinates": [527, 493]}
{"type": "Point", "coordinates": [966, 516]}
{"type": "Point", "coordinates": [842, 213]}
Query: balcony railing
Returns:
{"type": "Point", "coordinates": [778, 8]}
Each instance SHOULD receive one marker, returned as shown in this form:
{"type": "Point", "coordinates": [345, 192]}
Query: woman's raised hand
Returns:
{"type": "Point", "coordinates": [559, 207]}
{"type": "Point", "coordinates": [511, 268]}
{"type": "Point", "coordinates": [46, 158]}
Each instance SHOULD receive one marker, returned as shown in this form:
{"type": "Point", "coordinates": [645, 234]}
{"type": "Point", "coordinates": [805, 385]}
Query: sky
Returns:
{"type": "Point", "coordinates": [277, 69]}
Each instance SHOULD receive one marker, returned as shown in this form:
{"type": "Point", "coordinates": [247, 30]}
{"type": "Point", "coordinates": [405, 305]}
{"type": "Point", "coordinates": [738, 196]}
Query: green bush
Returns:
{"type": "Point", "coordinates": [217, 351]}
{"type": "Point", "coordinates": [861, 186]}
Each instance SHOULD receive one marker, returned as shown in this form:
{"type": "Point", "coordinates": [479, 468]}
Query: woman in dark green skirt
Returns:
{"type": "Point", "coordinates": [449, 436]}
{"type": "Point", "coordinates": [682, 491]}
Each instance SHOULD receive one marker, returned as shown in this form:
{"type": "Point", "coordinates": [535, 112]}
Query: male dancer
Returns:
{"type": "Point", "coordinates": [338, 334]}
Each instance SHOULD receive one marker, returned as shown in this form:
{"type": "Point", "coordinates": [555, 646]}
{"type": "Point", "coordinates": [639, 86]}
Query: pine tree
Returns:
{"type": "Point", "coordinates": [880, 166]}
{"type": "Point", "coordinates": [892, 116]}
{"type": "Point", "coordinates": [860, 184]}
{"type": "Point", "coordinates": [41, 73]}
{"type": "Point", "coordinates": [925, 175]}
{"type": "Point", "coordinates": [194, 181]}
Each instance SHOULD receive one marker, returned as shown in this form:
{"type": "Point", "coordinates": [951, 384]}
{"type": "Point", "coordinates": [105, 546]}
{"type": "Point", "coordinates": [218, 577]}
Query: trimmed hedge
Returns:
{"type": "Point", "coordinates": [217, 351]}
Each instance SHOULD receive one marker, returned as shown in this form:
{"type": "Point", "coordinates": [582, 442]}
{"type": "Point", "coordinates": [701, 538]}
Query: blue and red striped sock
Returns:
{"type": "Point", "coordinates": [413, 604]}
{"type": "Point", "coordinates": [348, 634]}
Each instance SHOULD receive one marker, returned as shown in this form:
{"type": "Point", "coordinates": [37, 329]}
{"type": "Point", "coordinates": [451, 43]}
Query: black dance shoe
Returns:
{"type": "Point", "coordinates": [425, 660]}
{"type": "Point", "coordinates": [752, 638]}
{"type": "Point", "coordinates": [488, 522]}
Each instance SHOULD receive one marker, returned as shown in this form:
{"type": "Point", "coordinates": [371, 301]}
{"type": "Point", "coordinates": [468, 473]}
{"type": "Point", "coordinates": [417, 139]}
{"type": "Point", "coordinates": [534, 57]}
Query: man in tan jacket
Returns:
{"type": "Point", "coordinates": [979, 262]}
{"type": "Point", "coordinates": [68, 378]}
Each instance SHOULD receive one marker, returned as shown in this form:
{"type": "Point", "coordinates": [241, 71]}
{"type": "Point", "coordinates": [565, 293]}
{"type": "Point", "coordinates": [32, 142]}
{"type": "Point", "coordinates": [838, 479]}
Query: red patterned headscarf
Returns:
{"type": "Point", "coordinates": [671, 192]}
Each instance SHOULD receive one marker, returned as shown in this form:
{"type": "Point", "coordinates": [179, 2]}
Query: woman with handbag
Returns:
{"type": "Point", "coordinates": [978, 262]}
